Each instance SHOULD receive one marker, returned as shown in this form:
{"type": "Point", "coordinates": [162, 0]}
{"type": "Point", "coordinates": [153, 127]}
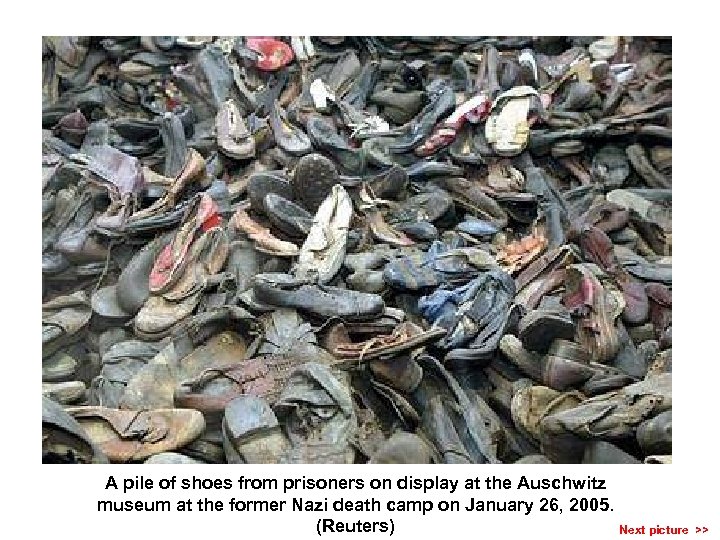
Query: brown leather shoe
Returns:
{"type": "Point", "coordinates": [135, 435]}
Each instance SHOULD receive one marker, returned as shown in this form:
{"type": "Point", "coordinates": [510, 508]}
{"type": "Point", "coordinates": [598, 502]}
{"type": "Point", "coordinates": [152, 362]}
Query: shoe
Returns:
{"type": "Point", "coordinates": [64, 393]}
{"type": "Point", "coordinates": [125, 436]}
{"type": "Point", "coordinates": [471, 197]}
{"type": "Point", "coordinates": [399, 107]}
{"type": "Point", "coordinates": [120, 363]}
{"type": "Point", "coordinates": [252, 433]}
{"type": "Point", "coordinates": [566, 366]}
{"type": "Point", "coordinates": [402, 447]}
{"type": "Point", "coordinates": [539, 328]}
{"type": "Point", "coordinates": [517, 255]}
{"type": "Point", "coordinates": [260, 184]}
{"type": "Point", "coordinates": [59, 367]}
{"type": "Point", "coordinates": [441, 100]}
{"type": "Point", "coordinates": [596, 310]}
{"type": "Point", "coordinates": [133, 286]}
{"type": "Point", "coordinates": [610, 167]}
{"type": "Point", "coordinates": [170, 264]}
{"type": "Point", "coordinates": [507, 127]}
{"type": "Point", "coordinates": [287, 216]}
{"type": "Point", "coordinates": [64, 440]}
{"type": "Point", "coordinates": [72, 128]}
{"type": "Point", "coordinates": [64, 318]}
{"type": "Point", "coordinates": [106, 307]}
{"type": "Point", "coordinates": [405, 337]}
{"type": "Point", "coordinates": [325, 139]}
{"type": "Point", "coordinates": [317, 413]}
{"type": "Point", "coordinates": [318, 300]}
{"type": "Point", "coordinates": [322, 254]}
{"type": "Point", "coordinates": [264, 240]}
{"type": "Point", "coordinates": [233, 137]}
{"type": "Point", "coordinates": [288, 137]}
{"type": "Point", "coordinates": [314, 177]}
{"type": "Point", "coordinates": [273, 54]}
{"type": "Point", "coordinates": [655, 435]}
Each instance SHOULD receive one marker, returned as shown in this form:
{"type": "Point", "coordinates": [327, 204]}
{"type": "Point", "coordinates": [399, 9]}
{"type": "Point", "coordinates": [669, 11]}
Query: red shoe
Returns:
{"type": "Point", "coordinates": [274, 54]}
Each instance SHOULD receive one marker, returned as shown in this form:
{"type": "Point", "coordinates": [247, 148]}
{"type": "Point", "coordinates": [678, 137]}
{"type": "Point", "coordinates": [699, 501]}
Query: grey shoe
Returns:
{"type": "Point", "coordinates": [319, 300]}
{"type": "Point", "coordinates": [403, 447]}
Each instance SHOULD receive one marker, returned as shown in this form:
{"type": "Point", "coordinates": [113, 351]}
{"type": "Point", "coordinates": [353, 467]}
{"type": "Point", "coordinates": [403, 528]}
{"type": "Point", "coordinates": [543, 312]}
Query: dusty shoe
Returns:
{"type": "Point", "coordinates": [539, 328]}
{"type": "Point", "coordinates": [135, 435]}
{"type": "Point", "coordinates": [655, 435]}
{"type": "Point", "coordinates": [566, 366]}
{"type": "Point", "coordinates": [319, 300]}
{"type": "Point", "coordinates": [64, 440]}
{"type": "Point", "coordinates": [614, 415]}
{"type": "Point", "coordinates": [596, 310]}
{"type": "Point", "coordinates": [405, 337]}
{"type": "Point", "coordinates": [251, 432]}
{"type": "Point", "coordinates": [233, 136]}
{"type": "Point", "coordinates": [507, 127]}
{"type": "Point", "coordinates": [63, 320]}
{"type": "Point", "coordinates": [403, 447]}
{"type": "Point", "coordinates": [171, 261]}
{"type": "Point", "coordinates": [318, 415]}
{"type": "Point", "coordinates": [531, 404]}
{"type": "Point", "coordinates": [64, 392]}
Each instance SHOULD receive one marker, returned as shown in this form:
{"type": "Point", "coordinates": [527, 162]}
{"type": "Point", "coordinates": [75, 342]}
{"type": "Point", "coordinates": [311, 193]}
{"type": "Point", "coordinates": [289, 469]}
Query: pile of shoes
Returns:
{"type": "Point", "coordinates": [357, 249]}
